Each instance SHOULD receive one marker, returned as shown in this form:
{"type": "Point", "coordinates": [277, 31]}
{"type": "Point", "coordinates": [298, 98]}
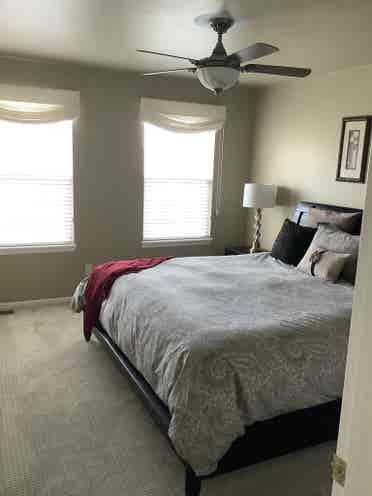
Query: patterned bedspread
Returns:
{"type": "Point", "coordinates": [227, 341]}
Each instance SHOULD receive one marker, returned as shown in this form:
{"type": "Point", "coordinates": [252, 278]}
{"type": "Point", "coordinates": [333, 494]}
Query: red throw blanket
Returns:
{"type": "Point", "coordinates": [101, 280]}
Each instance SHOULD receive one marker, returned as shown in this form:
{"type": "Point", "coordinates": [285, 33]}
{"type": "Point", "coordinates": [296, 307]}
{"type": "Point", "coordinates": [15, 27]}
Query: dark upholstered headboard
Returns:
{"type": "Point", "coordinates": [302, 210]}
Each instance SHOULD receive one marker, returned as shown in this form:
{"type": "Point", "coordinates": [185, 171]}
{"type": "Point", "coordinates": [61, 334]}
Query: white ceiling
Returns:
{"type": "Point", "coordinates": [325, 35]}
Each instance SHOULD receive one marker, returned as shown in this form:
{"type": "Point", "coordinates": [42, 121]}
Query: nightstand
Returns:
{"type": "Point", "coordinates": [240, 250]}
{"type": "Point", "coordinates": [237, 250]}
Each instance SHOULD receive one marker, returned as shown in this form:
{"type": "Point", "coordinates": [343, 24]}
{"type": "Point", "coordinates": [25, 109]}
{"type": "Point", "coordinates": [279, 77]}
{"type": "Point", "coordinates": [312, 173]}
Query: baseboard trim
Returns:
{"type": "Point", "coordinates": [13, 305]}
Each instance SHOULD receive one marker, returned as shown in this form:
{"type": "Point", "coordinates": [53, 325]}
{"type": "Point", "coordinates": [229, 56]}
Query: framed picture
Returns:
{"type": "Point", "coordinates": [354, 148]}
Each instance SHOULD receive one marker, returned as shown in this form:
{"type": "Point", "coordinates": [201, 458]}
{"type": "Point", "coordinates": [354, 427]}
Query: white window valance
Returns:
{"type": "Point", "coordinates": [182, 116]}
{"type": "Point", "coordinates": [31, 104]}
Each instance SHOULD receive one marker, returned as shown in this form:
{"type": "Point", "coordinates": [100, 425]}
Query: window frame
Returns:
{"type": "Point", "coordinates": [50, 247]}
{"type": "Point", "coordinates": [215, 200]}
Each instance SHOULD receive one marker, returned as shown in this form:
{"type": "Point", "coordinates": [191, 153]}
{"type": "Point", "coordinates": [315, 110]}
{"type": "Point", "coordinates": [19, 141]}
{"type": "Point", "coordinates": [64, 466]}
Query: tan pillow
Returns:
{"type": "Point", "coordinates": [323, 263]}
{"type": "Point", "coordinates": [333, 239]}
{"type": "Point", "coordinates": [348, 222]}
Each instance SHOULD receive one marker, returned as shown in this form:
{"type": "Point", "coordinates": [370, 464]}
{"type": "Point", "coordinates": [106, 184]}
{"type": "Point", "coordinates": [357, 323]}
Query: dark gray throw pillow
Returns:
{"type": "Point", "coordinates": [292, 242]}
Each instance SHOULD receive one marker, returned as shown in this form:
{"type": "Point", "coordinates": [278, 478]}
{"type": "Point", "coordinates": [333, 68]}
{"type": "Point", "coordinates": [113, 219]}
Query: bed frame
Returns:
{"type": "Point", "coordinates": [262, 440]}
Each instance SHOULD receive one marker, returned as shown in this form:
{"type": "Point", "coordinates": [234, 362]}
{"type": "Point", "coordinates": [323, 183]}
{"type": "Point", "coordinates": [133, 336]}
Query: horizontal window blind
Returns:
{"type": "Point", "coordinates": [176, 208]}
{"type": "Point", "coordinates": [178, 184]}
{"type": "Point", "coordinates": [36, 184]}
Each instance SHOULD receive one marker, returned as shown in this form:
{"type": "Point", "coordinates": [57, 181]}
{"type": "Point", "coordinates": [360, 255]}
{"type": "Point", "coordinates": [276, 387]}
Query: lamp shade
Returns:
{"type": "Point", "coordinates": [259, 195]}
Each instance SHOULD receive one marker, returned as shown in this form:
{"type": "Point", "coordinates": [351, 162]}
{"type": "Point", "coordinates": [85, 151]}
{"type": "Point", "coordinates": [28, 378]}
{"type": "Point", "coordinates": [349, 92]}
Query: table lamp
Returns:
{"type": "Point", "coordinates": [258, 196]}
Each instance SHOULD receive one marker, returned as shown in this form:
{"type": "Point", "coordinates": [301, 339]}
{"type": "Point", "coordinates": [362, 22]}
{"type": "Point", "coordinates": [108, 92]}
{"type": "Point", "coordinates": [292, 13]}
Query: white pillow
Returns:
{"type": "Point", "coordinates": [322, 263]}
{"type": "Point", "coordinates": [329, 237]}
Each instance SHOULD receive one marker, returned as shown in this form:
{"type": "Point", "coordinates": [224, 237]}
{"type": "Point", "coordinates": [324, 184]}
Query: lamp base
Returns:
{"type": "Point", "coordinates": [257, 235]}
{"type": "Point", "coordinates": [255, 249]}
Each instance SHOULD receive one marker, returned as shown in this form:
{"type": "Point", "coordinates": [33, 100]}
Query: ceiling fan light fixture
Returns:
{"type": "Point", "coordinates": [218, 78]}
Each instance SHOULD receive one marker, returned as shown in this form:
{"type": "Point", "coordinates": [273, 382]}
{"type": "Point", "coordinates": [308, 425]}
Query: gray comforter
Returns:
{"type": "Point", "coordinates": [227, 341]}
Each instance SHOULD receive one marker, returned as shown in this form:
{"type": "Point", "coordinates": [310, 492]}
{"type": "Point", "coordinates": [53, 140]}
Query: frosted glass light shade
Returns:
{"type": "Point", "coordinates": [217, 78]}
{"type": "Point", "coordinates": [259, 195]}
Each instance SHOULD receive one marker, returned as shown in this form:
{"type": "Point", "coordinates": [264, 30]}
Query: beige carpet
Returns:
{"type": "Point", "coordinates": [72, 425]}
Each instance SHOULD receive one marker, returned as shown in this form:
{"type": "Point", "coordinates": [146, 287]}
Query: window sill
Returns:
{"type": "Point", "coordinates": [23, 249]}
{"type": "Point", "coordinates": [176, 242]}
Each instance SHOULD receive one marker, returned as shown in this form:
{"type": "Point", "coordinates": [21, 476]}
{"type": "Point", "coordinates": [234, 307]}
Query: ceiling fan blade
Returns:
{"type": "Point", "coordinates": [188, 69]}
{"type": "Point", "coordinates": [277, 70]}
{"type": "Point", "coordinates": [253, 52]}
{"type": "Point", "coordinates": [193, 61]}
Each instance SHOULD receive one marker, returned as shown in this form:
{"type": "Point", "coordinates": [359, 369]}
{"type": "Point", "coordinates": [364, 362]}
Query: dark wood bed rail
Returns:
{"type": "Point", "coordinates": [158, 409]}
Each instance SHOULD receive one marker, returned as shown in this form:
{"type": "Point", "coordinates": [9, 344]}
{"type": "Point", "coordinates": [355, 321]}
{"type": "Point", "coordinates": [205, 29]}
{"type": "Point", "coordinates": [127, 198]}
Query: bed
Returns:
{"type": "Point", "coordinates": [239, 359]}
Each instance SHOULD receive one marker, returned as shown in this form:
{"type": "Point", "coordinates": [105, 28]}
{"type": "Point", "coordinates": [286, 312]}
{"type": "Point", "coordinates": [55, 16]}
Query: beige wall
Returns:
{"type": "Point", "coordinates": [108, 186]}
{"type": "Point", "coordinates": [296, 141]}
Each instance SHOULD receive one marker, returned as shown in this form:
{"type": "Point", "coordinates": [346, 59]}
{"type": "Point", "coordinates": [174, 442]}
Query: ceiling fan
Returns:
{"type": "Point", "coordinates": [220, 71]}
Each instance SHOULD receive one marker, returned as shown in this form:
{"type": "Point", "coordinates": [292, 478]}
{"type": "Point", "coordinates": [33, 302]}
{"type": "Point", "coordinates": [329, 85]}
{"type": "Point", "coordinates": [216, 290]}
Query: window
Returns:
{"type": "Point", "coordinates": [179, 154]}
{"type": "Point", "coordinates": [36, 185]}
{"type": "Point", "coordinates": [178, 184]}
{"type": "Point", "coordinates": [36, 168]}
